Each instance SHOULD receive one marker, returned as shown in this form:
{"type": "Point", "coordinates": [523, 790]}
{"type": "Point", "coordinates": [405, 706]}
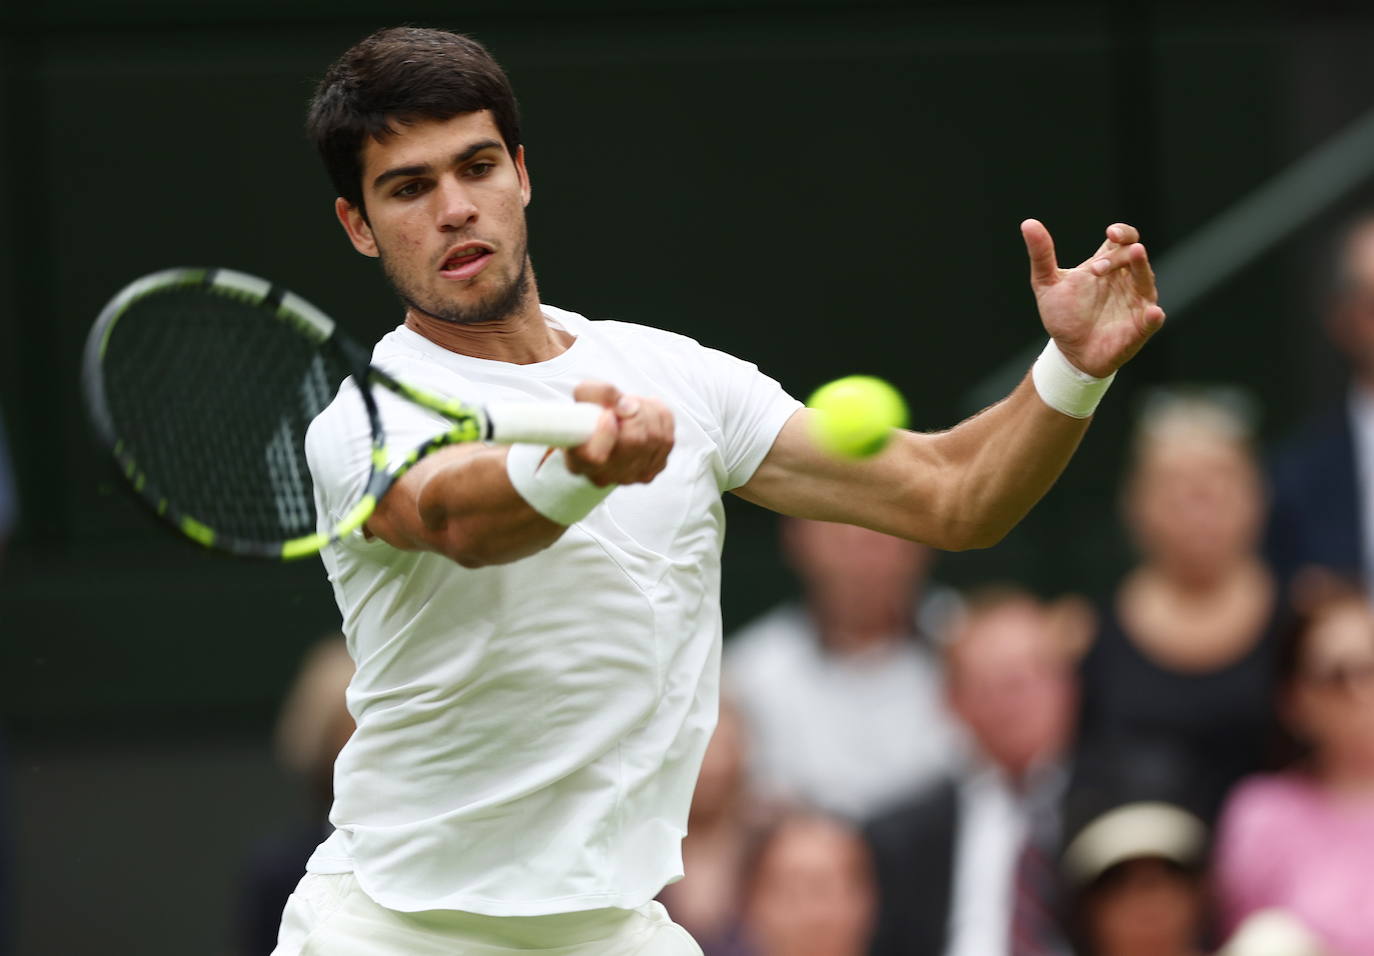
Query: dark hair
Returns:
{"type": "Point", "coordinates": [403, 75]}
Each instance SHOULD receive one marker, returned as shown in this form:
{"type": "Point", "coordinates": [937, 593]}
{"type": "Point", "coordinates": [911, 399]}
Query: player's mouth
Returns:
{"type": "Point", "coordinates": [465, 261]}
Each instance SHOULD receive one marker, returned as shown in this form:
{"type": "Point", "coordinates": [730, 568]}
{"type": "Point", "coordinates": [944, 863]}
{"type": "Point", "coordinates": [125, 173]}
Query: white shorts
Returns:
{"type": "Point", "coordinates": [329, 915]}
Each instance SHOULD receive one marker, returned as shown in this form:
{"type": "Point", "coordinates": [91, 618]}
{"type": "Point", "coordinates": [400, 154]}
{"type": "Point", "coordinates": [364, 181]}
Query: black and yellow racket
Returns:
{"type": "Point", "coordinates": [202, 383]}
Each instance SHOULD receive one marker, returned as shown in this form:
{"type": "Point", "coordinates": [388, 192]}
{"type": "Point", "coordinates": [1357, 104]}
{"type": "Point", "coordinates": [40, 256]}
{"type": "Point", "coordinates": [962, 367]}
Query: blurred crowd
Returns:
{"type": "Point", "coordinates": [1182, 766]}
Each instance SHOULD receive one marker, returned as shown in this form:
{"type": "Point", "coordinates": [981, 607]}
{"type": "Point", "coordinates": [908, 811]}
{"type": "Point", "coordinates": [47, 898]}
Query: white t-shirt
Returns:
{"type": "Point", "coordinates": [529, 734]}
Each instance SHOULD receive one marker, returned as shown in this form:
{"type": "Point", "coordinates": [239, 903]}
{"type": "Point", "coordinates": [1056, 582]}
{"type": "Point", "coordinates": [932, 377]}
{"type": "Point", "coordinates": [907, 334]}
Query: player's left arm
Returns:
{"type": "Point", "coordinates": [967, 487]}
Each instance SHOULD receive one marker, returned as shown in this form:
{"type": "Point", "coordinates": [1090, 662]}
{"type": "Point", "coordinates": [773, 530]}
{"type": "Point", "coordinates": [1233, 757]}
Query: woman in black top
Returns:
{"type": "Point", "coordinates": [1184, 658]}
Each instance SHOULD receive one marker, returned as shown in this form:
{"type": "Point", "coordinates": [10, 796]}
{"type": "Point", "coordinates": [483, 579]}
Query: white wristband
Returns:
{"type": "Point", "coordinates": [1065, 388]}
{"type": "Point", "coordinates": [548, 487]}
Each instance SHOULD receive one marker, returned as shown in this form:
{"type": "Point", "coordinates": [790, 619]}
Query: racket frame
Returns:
{"type": "Point", "coordinates": [568, 424]}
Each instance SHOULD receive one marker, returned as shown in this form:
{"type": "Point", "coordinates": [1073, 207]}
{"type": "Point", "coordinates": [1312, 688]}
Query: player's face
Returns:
{"type": "Point", "coordinates": [446, 215]}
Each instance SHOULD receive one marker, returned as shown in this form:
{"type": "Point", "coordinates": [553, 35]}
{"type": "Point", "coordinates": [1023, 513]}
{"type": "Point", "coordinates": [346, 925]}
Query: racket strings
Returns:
{"type": "Point", "coordinates": [213, 396]}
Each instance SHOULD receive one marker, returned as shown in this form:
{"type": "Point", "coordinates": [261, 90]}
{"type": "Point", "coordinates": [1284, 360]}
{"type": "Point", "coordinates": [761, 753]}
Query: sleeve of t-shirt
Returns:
{"type": "Point", "coordinates": [751, 409]}
{"type": "Point", "coordinates": [338, 445]}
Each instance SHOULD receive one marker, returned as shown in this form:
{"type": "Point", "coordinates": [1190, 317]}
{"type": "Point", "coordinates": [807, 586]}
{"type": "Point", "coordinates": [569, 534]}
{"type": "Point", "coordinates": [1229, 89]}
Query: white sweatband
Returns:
{"type": "Point", "coordinates": [1065, 388]}
{"type": "Point", "coordinates": [548, 487]}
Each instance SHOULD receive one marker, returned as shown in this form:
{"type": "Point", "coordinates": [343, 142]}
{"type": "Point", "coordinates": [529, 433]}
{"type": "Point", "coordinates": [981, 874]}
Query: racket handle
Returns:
{"type": "Point", "coordinates": [542, 423]}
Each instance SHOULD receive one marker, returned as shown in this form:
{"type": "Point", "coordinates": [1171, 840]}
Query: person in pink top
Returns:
{"type": "Point", "coordinates": [1303, 840]}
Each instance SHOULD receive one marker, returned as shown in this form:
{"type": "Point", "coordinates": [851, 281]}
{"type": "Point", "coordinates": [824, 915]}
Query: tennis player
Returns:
{"type": "Point", "coordinates": [537, 634]}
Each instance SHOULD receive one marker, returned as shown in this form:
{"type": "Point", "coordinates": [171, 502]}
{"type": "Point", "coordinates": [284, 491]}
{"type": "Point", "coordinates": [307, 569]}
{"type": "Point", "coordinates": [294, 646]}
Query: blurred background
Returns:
{"type": "Point", "coordinates": [822, 187]}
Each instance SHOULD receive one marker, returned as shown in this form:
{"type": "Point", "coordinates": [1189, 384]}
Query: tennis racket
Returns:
{"type": "Point", "coordinates": [202, 382]}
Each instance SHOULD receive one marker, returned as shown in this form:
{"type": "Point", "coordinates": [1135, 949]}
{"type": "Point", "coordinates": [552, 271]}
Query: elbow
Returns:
{"type": "Point", "coordinates": [976, 539]}
{"type": "Point", "coordinates": [971, 533]}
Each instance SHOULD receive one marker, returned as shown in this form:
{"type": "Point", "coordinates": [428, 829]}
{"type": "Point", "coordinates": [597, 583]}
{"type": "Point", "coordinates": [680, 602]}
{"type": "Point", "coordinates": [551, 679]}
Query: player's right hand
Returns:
{"type": "Point", "coordinates": [631, 442]}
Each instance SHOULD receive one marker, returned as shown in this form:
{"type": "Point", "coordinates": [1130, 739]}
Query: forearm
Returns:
{"type": "Point", "coordinates": [954, 490]}
{"type": "Point", "coordinates": [461, 504]}
{"type": "Point", "coordinates": [476, 507]}
{"type": "Point", "coordinates": [998, 464]}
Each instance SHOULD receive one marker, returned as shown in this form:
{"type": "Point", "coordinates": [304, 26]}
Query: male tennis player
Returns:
{"type": "Point", "coordinates": [537, 634]}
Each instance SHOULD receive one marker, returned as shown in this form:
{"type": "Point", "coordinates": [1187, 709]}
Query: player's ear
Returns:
{"type": "Point", "coordinates": [523, 173]}
{"type": "Point", "coordinates": [355, 224]}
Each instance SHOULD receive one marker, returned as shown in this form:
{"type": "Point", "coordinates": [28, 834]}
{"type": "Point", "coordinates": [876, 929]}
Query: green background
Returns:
{"type": "Point", "coordinates": [821, 187]}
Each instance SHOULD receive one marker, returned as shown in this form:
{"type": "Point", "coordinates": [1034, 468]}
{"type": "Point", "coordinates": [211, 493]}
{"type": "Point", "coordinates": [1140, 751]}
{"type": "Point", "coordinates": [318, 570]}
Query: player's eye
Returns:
{"type": "Point", "coordinates": [413, 188]}
{"type": "Point", "coordinates": [481, 169]}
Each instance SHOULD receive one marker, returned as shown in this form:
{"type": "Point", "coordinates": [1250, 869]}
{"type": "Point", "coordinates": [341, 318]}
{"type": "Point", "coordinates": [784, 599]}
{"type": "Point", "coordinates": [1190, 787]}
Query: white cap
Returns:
{"type": "Point", "coordinates": [1272, 932]}
{"type": "Point", "coordinates": [1131, 832]}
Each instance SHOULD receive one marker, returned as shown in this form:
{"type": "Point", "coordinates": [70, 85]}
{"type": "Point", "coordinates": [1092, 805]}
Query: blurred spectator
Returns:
{"type": "Point", "coordinates": [1184, 657]}
{"type": "Point", "coordinates": [1303, 840]}
{"type": "Point", "coordinates": [1322, 514]}
{"type": "Point", "coordinates": [721, 827]}
{"type": "Point", "coordinates": [1134, 875]}
{"type": "Point", "coordinates": [840, 695]}
{"type": "Point", "coordinates": [810, 890]}
{"type": "Point", "coordinates": [312, 728]}
{"type": "Point", "coordinates": [966, 867]}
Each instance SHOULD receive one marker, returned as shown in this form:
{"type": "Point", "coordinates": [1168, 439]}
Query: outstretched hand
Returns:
{"type": "Point", "coordinates": [1101, 311]}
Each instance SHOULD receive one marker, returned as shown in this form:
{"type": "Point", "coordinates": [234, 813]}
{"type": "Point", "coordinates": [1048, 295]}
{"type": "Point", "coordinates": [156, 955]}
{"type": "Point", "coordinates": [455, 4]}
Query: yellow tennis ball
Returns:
{"type": "Point", "coordinates": [855, 415]}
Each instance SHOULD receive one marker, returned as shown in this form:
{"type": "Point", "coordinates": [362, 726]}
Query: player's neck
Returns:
{"type": "Point", "coordinates": [522, 338]}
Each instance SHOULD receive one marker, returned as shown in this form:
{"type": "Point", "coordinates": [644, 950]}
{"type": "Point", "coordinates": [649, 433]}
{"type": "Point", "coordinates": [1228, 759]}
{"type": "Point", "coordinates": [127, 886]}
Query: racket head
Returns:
{"type": "Point", "coordinates": [202, 383]}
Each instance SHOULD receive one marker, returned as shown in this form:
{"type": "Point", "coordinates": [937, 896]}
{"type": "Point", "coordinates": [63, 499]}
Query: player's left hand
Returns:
{"type": "Point", "coordinates": [1101, 311]}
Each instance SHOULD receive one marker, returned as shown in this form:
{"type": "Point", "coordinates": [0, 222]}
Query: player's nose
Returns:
{"type": "Point", "coordinates": [455, 208]}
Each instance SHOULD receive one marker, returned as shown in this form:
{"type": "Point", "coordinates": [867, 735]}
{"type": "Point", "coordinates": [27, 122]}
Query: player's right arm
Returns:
{"type": "Point", "coordinates": [460, 502]}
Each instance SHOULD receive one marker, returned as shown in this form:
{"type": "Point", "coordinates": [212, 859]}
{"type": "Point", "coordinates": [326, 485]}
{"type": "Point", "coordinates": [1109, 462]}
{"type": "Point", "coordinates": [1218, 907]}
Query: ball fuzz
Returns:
{"type": "Point", "coordinates": [855, 415]}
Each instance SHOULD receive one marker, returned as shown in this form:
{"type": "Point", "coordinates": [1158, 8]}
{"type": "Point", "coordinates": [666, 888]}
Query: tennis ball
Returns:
{"type": "Point", "coordinates": [855, 415]}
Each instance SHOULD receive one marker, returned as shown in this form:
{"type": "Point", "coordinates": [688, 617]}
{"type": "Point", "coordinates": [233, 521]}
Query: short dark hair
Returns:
{"type": "Point", "coordinates": [403, 75]}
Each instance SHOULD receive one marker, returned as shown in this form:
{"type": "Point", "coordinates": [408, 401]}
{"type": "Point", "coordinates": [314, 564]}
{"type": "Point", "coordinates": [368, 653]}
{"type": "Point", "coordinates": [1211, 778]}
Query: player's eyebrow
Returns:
{"type": "Point", "coordinates": [419, 169]}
